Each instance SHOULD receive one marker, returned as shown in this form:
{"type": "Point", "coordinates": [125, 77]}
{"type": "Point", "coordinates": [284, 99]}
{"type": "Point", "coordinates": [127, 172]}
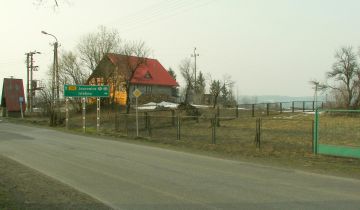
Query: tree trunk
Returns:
{"type": "Point", "coordinates": [215, 101]}
{"type": "Point", "coordinates": [186, 101]}
{"type": "Point", "coordinates": [127, 97]}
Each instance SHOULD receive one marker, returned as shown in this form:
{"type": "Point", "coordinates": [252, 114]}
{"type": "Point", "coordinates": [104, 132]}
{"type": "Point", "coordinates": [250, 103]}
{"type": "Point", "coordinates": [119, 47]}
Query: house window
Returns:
{"type": "Point", "coordinates": [148, 89]}
{"type": "Point", "coordinates": [147, 75]}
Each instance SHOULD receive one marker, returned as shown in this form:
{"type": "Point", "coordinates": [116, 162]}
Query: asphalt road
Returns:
{"type": "Point", "coordinates": [129, 176]}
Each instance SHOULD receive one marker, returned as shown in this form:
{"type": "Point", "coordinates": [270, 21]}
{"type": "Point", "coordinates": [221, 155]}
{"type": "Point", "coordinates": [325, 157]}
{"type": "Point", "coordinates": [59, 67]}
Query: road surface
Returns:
{"type": "Point", "coordinates": [130, 176]}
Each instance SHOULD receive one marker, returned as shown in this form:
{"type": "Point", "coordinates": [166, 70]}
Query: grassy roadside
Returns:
{"type": "Point", "coordinates": [25, 188]}
{"type": "Point", "coordinates": [269, 155]}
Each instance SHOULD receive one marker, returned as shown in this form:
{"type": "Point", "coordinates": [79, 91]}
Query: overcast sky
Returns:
{"type": "Point", "coordinates": [267, 47]}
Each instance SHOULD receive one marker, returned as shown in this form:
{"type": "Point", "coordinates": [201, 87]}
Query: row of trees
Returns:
{"type": "Point", "coordinates": [343, 81]}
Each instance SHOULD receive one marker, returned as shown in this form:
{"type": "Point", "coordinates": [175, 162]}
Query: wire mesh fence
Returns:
{"type": "Point", "coordinates": [212, 127]}
{"type": "Point", "coordinates": [233, 129]}
{"type": "Point", "coordinates": [287, 135]}
{"type": "Point", "coordinates": [339, 128]}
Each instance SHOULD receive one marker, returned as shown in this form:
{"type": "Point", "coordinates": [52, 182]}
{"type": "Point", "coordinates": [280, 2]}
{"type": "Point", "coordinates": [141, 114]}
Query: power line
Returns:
{"type": "Point", "coordinates": [12, 61]}
{"type": "Point", "coordinates": [154, 10]}
{"type": "Point", "coordinates": [159, 15]}
{"type": "Point", "coordinates": [165, 16]}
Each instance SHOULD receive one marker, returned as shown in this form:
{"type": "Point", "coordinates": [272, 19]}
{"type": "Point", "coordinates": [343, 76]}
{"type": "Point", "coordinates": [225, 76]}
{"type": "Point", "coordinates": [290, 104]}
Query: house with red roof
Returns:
{"type": "Point", "coordinates": [144, 74]}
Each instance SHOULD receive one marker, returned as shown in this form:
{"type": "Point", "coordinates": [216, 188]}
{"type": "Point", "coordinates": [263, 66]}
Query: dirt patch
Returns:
{"type": "Point", "coordinates": [24, 188]}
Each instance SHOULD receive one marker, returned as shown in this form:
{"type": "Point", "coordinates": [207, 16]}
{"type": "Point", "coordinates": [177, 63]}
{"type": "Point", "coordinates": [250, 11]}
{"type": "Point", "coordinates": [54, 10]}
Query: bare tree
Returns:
{"type": "Point", "coordinates": [345, 71]}
{"type": "Point", "coordinates": [136, 53]}
{"type": "Point", "coordinates": [227, 90]}
{"type": "Point", "coordinates": [174, 90]}
{"type": "Point", "coordinates": [71, 69]}
{"type": "Point", "coordinates": [187, 73]}
{"type": "Point", "coordinates": [215, 89]}
{"type": "Point", "coordinates": [199, 88]}
{"type": "Point", "coordinates": [94, 46]}
{"type": "Point", "coordinates": [45, 102]}
{"type": "Point", "coordinates": [54, 2]}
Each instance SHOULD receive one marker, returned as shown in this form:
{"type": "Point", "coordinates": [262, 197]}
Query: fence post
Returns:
{"type": "Point", "coordinates": [237, 111]}
{"type": "Point", "coordinates": [281, 110]}
{"type": "Point", "coordinates": [316, 132]}
{"type": "Point", "coordinates": [178, 128]}
{"type": "Point", "coordinates": [293, 107]}
{"type": "Point", "coordinates": [267, 109]}
{"type": "Point", "coordinates": [253, 110]}
{"type": "Point", "coordinates": [303, 106]}
{"type": "Point", "coordinates": [313, 135]}
{"type": "Point", "coordinates": [258, 132]}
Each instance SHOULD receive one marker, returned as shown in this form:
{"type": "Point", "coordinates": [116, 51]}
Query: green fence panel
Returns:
{"type": "Point", "coordinates": [336, 150]}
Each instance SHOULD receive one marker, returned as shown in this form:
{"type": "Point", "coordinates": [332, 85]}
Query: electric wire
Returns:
{"type": "Point", "coordinates": [162, 13]}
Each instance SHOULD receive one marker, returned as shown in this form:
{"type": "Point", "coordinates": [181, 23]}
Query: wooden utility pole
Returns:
{"type": "Point", "coordinates": [30, 89]}
{"type": "Point", "coordinates": [195, 55]}
{"type": "Point", "coordinates": [27, 80]}
{"type": "Point", "coordinates": [31, 81]}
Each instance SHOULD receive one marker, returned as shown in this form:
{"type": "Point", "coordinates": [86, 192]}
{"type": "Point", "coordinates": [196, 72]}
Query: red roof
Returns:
{"type": "Point", "coordinates": [12, 91]}
{"type": "Point", "coordinates": [150, 72]}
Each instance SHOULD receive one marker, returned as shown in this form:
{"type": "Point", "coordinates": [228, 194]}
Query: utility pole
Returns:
{"type": "Point", "coordinates": [30, 81]}
{"type": "Point", "coordinates": [56, 45]}
{"type": "Point", "coordinates": [55, 83]}
{"type": "Point", "coordinates": [195, 55]}
{"type": "Point", "coordinates": [27, 80]}
{"type": "Point", "coordinates": [316, 90]}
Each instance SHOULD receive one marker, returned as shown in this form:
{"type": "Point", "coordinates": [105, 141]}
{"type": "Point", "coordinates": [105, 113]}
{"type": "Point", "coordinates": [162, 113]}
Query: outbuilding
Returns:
{"type": "Point", "coordinates": [13, 98]}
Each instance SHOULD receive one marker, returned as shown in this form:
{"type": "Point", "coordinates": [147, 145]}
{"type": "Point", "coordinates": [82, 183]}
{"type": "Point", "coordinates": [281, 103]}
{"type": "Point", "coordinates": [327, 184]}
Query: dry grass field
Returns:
{"type": "Point", "coordinates": [339, 129]}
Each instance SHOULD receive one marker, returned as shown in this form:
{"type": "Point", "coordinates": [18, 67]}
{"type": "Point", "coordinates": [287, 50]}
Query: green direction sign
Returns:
{"type": "Point", "coordinates": [86, 91]}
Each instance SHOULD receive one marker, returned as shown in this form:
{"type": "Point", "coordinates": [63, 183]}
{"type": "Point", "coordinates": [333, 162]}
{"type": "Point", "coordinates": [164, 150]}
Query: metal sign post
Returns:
{"type": "Point", "coordinates": [83, 100]}
{"type": "Point", "coordinates": [137, 93]}
{"type": "Point", "coordinates": [83, 92]}
{"type": "Point", "coordinates": [137, 119]}
{"type": "Point", "coordinates": [67, 112]}
{"type": "Point", "coordinates": [98, 114]}
{"type": "Point", "coordinates": [21, 100]}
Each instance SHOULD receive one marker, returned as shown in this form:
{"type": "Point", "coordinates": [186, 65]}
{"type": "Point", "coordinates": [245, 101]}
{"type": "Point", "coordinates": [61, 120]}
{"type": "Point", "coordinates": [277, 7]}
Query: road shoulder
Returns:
{"type": "Point", "coordinates": [24, 188]}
